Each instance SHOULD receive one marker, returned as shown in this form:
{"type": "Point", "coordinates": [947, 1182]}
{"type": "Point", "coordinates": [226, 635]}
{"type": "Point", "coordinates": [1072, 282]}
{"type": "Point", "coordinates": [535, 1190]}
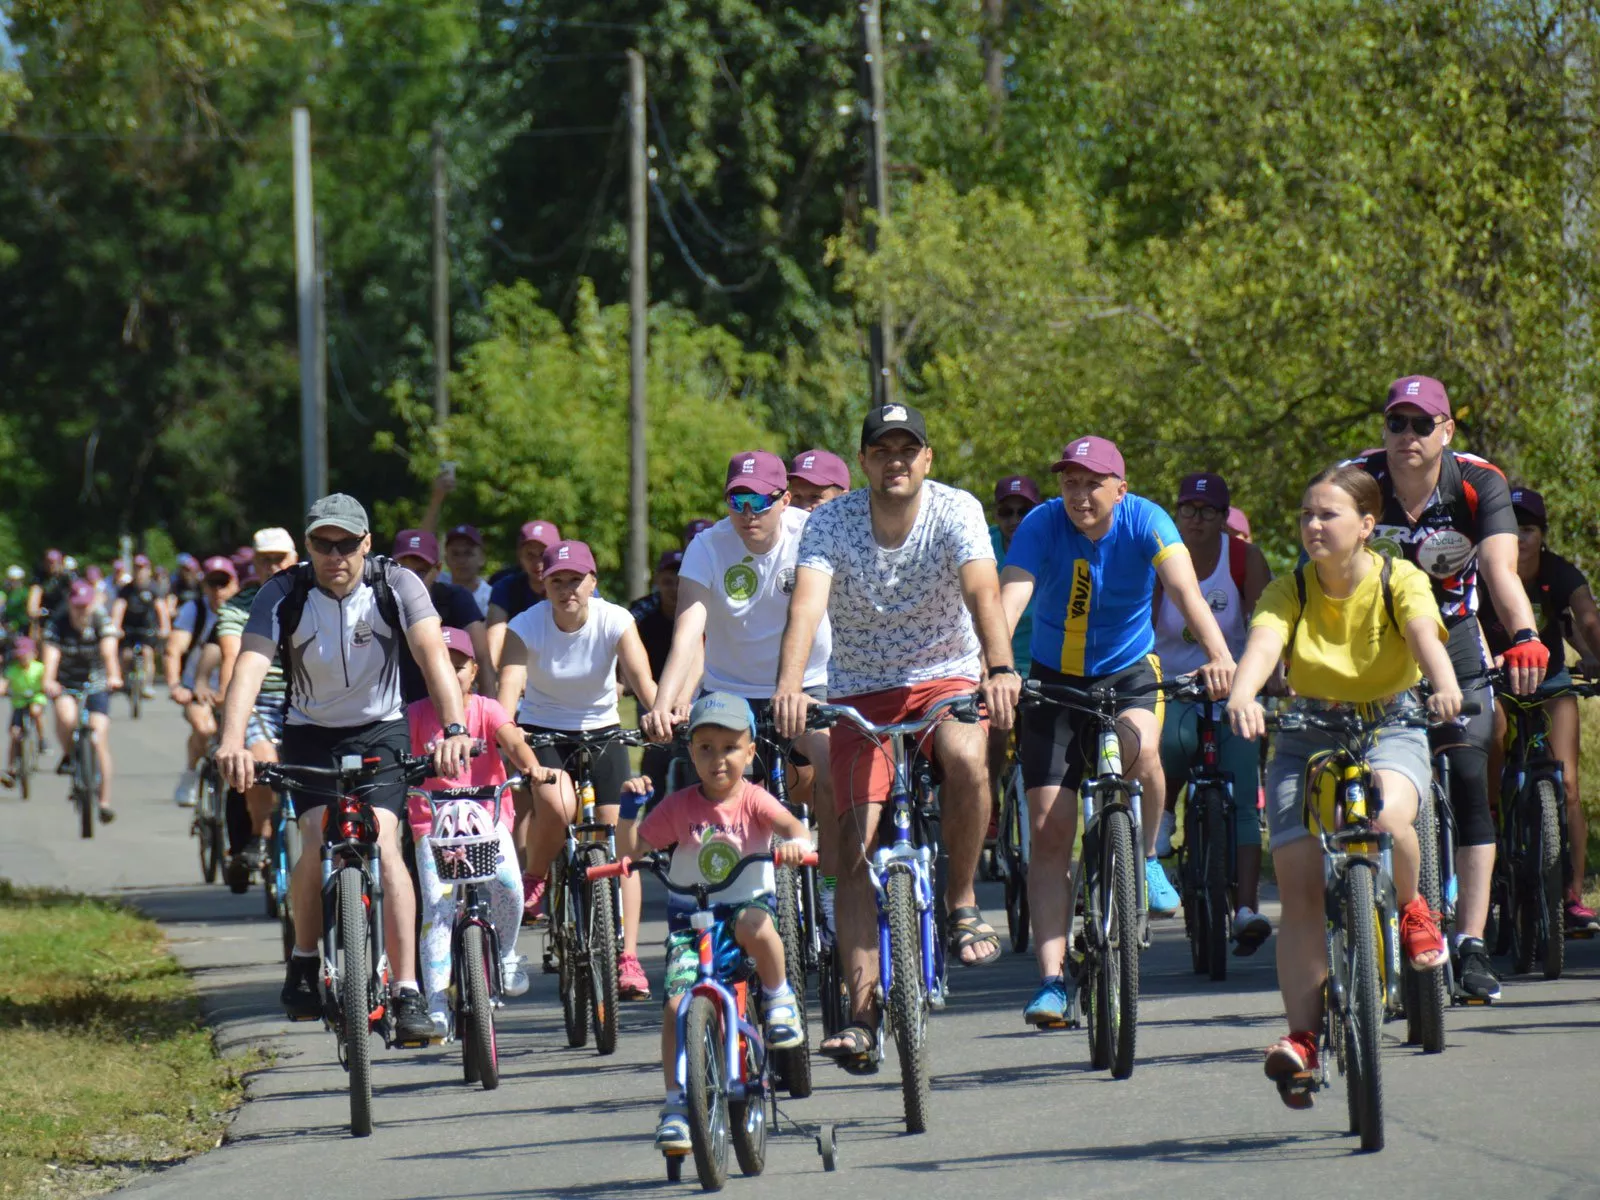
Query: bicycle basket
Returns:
{"type": "Point", "coordinates": [470, 858]}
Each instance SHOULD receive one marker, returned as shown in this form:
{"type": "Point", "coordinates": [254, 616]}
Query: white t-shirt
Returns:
{"type": "Point", "coordinates": [480, 593]}
{"type": "Point", "coordinates": [1176, 645]}
{"type": "Point", "coordinates": [748, 608]}
{"type": "Point", "coordinates": [898, 615]}
{"type": "Point", "coordinates": [571, 676]}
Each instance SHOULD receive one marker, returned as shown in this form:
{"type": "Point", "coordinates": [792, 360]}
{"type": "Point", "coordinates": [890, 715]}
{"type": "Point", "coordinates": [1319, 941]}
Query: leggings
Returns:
{"type": "Point", "coordinates": [439, 915]}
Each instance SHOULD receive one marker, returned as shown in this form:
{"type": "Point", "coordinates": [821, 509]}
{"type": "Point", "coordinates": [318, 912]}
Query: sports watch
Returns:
{"type": "Point", "coordinates": [455, 729]}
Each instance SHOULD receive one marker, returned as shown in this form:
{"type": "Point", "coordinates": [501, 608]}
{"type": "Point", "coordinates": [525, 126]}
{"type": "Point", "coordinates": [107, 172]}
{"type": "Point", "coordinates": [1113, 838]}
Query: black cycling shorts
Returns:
{"type": "Point", "coordinates": [679, 771]}
{"type": "Point", "coordinates": [609, 769]}
{"type": "Point", "coordinates": [324, 745]}
{"type": "Point", "coordinates": [1057, 743]}
{"type": "Point", "coordinates": [1466, 748]}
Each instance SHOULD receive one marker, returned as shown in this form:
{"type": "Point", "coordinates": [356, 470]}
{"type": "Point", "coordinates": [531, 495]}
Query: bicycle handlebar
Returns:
{"type": "Point", "coordinates": [657, 861]}
{"type": "Point", "coordinates": [414, 767]}
{"type": "Point", "coordinates": [586, 739]}
{"type": "Point", "coordinates": [1180, 687]}
{"type": "Point", "coordinates": [963, 708]}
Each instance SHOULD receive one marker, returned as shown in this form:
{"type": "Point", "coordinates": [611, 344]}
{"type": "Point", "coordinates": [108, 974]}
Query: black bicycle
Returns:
{"type": "Point", "coordinates": [84, 764]}
{"type": "Point", "coordinates": [1013, 846]}
{"type": "Point", "coordinates": [209, 826]}
{"type": "Point", "coordinates": [355, 965]}
{"type": "Point", "coordinates": [1208, 860]}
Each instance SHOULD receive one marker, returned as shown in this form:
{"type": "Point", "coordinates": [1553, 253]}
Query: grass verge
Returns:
{"type": "Point", "coordinates": [105, 1066]}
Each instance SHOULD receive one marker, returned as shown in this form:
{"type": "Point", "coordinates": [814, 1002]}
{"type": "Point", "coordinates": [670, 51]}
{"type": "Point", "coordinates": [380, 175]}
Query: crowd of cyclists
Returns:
{"type": "Point", "coordinates": [1419, 562]}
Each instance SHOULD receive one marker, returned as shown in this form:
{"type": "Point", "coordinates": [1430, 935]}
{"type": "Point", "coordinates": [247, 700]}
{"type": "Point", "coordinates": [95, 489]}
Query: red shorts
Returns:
{"type": "Point", "coordinates": [861, 772]}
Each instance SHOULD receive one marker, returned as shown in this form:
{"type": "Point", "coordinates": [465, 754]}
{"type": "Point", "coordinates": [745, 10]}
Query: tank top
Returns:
{"type": "Point", "coordinates": [1177, 648]}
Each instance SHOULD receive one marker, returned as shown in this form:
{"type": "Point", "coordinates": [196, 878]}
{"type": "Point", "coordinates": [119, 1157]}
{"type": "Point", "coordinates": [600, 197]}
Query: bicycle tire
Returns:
{"type": "Point", "coordinates": [833, 997]}
{"type": "Point", "coordinates": [1213, 812]}
{"type": "Point", "coordinates": [1425, 993]}
{"type": "Point", "coordinates": [205, 826]}
{"type": "Point", "coordinates": [1551, 883]}
{"type": "Point", "coordinates": [908, 998]}
{"type": "Point", "coordinates": [477, 1037]}
{"type": "Point", "coordinates": [1122, 952]}
{"type": "Point", "coordinates": [1016, 865]}
{"type": "Point", "coordinates": [1091, 985]}
{"type": "Point", "coordinates": [602, 956]}
{"type": "Point", "coordinates": [571, 982]}
{"type": "Point", "coordinates": [25, 758]}
{"type": "Point", "coordinates": [288, 855]}
{"type": "Point", "coordinates": [747, 1120]}
{"type": "Point", "coordinates": [1361, 918]}
{"type": "Point", "coordinates": [135, 685]}
{"type": "Point", "coordinates": [355, 982]}
{"type": "Point", "coordinates": [792, 1067]}
{"type": "Point", "coordinates": [83, 782]}
{"type": "Point", "coordinates": [706, 1092]}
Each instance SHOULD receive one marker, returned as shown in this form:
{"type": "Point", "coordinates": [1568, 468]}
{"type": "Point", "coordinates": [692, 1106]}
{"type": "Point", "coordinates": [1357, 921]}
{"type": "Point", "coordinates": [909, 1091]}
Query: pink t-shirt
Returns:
{"type": "Point", "coordinates": [484, 719]}
{"type": "Point", "coordinates": [711, 838]}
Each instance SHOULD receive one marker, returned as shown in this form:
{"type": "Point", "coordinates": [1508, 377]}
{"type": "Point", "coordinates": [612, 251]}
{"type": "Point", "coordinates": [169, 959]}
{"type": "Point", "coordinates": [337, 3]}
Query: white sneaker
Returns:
{"type": "Point", "coordinates": [512, 976]}
{"type": "Point", "coordinates": [1168, 823]}
{"type": "Point", "coordinates": [188, 787]}
{"type": "Point", "coordinates": [441, 1023]}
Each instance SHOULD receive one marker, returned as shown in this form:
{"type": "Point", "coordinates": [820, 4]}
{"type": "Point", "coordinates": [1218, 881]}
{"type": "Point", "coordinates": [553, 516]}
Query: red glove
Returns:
{"type": "Point", "coordinates": [1528, 654]}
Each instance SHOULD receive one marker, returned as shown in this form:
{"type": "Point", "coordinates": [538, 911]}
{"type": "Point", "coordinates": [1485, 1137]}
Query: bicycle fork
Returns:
{"type": "Point", "coordinates": [334, 860]}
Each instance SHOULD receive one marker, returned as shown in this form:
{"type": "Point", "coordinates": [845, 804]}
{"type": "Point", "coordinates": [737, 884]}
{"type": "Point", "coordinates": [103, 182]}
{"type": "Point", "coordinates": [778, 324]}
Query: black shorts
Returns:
{"type": "Point", "coordinates": [96, 702]}
{"type": "Point", "coordinates": [142, 635]}
{"type": "Point", "coordinates": [1056, 745]}
{"type": "Point", "coordinates": [323, 745]}
{"type": "Point", "coordinates": [609, 769]}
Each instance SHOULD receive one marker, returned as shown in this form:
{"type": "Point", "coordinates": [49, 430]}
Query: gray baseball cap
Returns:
{"type": "Point", "coordinates": [723, 709]}
{"type": "Point", "coordinates": [341, 511]}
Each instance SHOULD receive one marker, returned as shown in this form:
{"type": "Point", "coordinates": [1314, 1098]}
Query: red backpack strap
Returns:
{"type": "Point", "coordinates": [1237, 561]}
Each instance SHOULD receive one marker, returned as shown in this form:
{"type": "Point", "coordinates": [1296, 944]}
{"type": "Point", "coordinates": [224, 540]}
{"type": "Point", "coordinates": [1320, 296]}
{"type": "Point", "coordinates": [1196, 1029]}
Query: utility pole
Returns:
{"type": "Point", "coordinates": [882, 334]}
{"type": "Point", "coordinates": [313, 370]}
{"type": "Point", "coordinates": [638, 562]}
{"type": "Point", "coordinates": [441, 281]}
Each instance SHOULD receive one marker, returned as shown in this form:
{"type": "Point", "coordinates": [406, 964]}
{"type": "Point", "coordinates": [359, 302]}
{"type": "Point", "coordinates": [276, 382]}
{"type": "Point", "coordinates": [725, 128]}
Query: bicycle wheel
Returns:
{"type": "Point", "coordinates": [1365, 997]}
{"type": "Point", "coordinates": [288, 855]}
{"type": "Point", "coordinates": [908, 997]}
{"type": "Point", "coordinates": [792, 1067]}
{"type": "Point", "coordinates": [1091, 985]}
{"type": "Point", "coordinates": [355, 980]}
{"type": "Point", "coordinates": [135, 686]}
{"type": "Point", "coordinates": [602, 955]}
{"type": "Point", "coordinates": [85, 784]}
{"type": "Point", "coordinates": [747, 1119]}
{"type": "Point", "coordinates": [1213, 812]}
{"type": "Point", "coordinates": [571, 982]}
{"type": "Point", "coordinates": [1425, 996]}
{"type": "Point", "coordinates": [1120, 979]}
{"type": "Point", "coordinates": [25, 757]}
{"type": "Point", "coordinates": [1549, 888]}
{"type": "Point", "coordinates": [705, 1089]}
{"type": "Point", "coordinates": [1012, 814]}
{"type": "Point", "coordinates": [477, 1033]}
{"type": "Point", "coordinates": [208, 822]}
{"type": "Point", "coordinates": [831, 992]}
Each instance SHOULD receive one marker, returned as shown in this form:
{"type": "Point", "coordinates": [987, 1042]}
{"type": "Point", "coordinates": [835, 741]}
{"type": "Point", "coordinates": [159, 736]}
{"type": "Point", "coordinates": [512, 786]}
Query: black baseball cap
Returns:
{"type": "Point", "coordinates": [887, 418]}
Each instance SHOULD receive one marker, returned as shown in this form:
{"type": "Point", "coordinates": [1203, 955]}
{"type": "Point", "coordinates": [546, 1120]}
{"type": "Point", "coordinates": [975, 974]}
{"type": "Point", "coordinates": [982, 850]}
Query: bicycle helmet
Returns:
{"type": "Point", "coordinates": [462, 818]}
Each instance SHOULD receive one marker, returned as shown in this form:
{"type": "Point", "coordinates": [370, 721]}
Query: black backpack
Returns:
{"type": "Point", "coordinates": [303, 578]}
{"type": "Point", "coordinates": [1300, 590]}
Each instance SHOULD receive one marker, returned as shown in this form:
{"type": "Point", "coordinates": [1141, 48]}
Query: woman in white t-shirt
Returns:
{"type": "Point", "coordinates": [559, 667]}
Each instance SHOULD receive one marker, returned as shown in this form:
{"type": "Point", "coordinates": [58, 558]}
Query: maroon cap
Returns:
{"type": "Point", "coordinates": [543, 532]}
{"type": "Point", "coordinates": [458, 641]}
{"type": "Point", "coordinates": [1532, 503]}
{"type": "Point", "coordinates": [23, 644]}
{"type": "Point", "coordinates": [696, 527]}
{"type": "Point", "coordinates": [568, 556]}
{"type": "Point", "coordinates": [54, 557]}
{"type": "Point", "coordinates": [141, 560]}
{"type": "Point", "coordinates": [756, 471]}
{"type": "Point", "coordinates": [1096, 454]}
{"type": "Point", "coordinates": [671, 560]}
{"type": "Point", "coordinates": [470, 532]}
{"type": "Point", "coordinates": [1238, 523]}
{"type": "Point", "coordinates": [217, 565]}
{"type": "Point", "coordinates": [1017, 485]}
{"type": "Point", "coordinates": [80, 594]}
{"type": "Point", "coordinates": [821, 468]}
{"type": "Point", "coordinates": [1205, 487]}
{"type": "Point", "coordinates": [1422, 392]}
{"type": "Point", "coordinates": [417, 543]}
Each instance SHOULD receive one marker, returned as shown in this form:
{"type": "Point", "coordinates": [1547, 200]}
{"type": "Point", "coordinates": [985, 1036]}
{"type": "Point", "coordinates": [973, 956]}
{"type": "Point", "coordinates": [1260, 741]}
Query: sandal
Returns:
{"type": "Point", "coordinates": [854, 1046]}
{"type": "Point", "coordinates": [968, 930]}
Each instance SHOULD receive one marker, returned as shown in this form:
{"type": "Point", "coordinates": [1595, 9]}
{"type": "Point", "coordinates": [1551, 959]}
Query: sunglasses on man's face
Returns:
{"type": "Point", "coordinates": [343, 547]}
{"type": "Point", "coordinates": [1007, 511]}
{"type": "Point", "coordinates": [1422, 426]}
{"type": "Point", "coordinates": [1199, 512]}
{"type": "Point", "coordinates": [752, 502]}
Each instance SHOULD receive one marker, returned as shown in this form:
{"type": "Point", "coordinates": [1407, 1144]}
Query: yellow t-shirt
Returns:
{"type": "Point", "coordinates": [1347, 649]}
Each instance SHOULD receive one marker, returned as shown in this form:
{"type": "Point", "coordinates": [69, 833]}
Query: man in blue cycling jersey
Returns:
{"type": "Point", "coordinates": [1094, 557]}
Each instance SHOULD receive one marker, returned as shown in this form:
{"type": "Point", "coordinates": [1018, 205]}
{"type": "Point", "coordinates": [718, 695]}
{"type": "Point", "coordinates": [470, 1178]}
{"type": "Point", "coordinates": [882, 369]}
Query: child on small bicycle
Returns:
{"type": "Point", "coordinates": [489, 723]}
{"type": "Point", "coordinates": [24, 683]}
{"type": "Point", "coordinates": [711, 826]}
{"type": "Point", "coordinates": [1355, 637]}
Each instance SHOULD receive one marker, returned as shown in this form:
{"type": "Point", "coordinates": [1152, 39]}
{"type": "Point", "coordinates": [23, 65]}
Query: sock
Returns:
{"type": "Point", "coordinates": [299, 953]}
{"type": "Point", "coordinates": [674, 1097]}
{"type": "Point", "coordinates": [1457, 938]}
{"type": "Point", "coordinates": [782, 993]}
{"type": "Point", "coordinates": [1048, 979]}
{"type": "Point", "coordinates": [403, 985]}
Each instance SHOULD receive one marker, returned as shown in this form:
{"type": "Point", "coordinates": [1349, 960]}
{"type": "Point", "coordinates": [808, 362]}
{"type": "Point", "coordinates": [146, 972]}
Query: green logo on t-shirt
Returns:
{"type": "Point", "coordinates": [717, 859]}
{"type": "Point", "coordinates": [740, 582]}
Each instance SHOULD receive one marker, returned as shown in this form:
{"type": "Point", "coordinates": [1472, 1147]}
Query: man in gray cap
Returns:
{"type": "Point", "coordinates": [336, 623]}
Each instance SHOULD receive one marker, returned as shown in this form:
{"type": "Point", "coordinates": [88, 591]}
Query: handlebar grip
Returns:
{"type": "Point", "coordinates": [810, 860]}
{"type": "Point", "coordinates": [1470, 708]}
{"type": "Point", "coordinates": [614, 870]}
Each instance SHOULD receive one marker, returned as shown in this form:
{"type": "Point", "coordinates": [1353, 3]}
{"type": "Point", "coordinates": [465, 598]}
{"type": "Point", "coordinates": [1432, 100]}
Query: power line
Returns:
{"type": "Point", "coordinates": [711, 281]}
{"type": "Point", "coordinates": [69, 135]}
{"type": "Point", "coordinates": [727, 245]}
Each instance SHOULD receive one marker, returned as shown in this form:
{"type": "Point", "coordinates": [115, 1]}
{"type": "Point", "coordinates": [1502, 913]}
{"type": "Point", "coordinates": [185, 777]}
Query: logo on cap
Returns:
{"type": "Point", "coordinates": [808, 462]}
{"type": "Point", "coordinates": [1413, 387]}
{"type": "Point", "coordinates": [1081, 449]}
{"type": "Point", "coordinates": [1200, 484]}
{"type": "Point", "coordinates": [894, 412]}
{"type": "Point", "coordinates": [1016, 485]}
{"type": "Point", "coordinates": [564, 553]}
{"type": "Point", "coordinates": [748, 466]}
{"type": "Point", "coordinates": [415, 542]}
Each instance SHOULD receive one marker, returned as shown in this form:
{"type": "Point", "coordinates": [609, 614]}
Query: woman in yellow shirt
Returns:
{"type": "Point", "coordinates": [1349, 646]}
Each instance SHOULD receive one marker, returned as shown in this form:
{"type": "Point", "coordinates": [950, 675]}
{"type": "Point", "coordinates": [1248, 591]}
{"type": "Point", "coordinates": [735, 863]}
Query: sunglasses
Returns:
{"type": "Point", "coordinates": [217, 581]}
{"type": "Point", "coordinates": [1421, 426]}
{"type": "Point", "coordinates": [343, 548]}
{"type": "Point", "coordinates": [752, 502]}
{"type": "Point", "coordinates": [1199, 512]}
{"type": "Point", "coordinates": [1014, 510]}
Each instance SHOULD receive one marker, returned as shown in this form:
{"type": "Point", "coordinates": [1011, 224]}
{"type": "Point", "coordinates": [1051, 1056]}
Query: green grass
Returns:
{"type": "Point", "coordinates": [105, 1066]}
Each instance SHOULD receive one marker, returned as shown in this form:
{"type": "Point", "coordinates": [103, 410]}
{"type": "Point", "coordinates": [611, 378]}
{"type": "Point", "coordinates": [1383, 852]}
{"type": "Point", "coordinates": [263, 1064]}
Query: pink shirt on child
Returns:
{"type": "Point", "coordinates": [741, 825]}
{"type": "Point", "coordinates": [484, 720]}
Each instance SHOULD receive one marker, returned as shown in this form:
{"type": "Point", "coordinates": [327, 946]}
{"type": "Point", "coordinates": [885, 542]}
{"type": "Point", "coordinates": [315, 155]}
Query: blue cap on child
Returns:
{"type": "Point", "coordinates": [723, 709]}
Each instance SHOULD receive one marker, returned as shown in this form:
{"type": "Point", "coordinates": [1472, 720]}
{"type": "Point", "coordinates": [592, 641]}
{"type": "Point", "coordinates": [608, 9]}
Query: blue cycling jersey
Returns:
{"type": "Point", "coordinates": [1091, 606]}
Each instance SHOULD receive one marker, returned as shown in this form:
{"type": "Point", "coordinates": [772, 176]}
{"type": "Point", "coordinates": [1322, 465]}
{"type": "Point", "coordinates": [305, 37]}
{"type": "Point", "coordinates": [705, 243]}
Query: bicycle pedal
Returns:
{"type": "Point", "coordinates": [1580, 935]}
{"type": "Point", "coordinates": [297, 1019]}
{"type": "Point", "coordinates": [415, 1043]}
{"type": "Point", "coordinates": [675, 1154]}
{"type": "Point", "coordinates": [1297, 1090]}
{"type": "Point", "coordinates": [1062, 1024]}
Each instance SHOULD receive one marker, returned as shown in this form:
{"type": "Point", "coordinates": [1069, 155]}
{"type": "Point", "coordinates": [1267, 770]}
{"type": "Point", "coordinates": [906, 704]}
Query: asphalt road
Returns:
{"type": "Point", "coordinates": [1508, 1110]}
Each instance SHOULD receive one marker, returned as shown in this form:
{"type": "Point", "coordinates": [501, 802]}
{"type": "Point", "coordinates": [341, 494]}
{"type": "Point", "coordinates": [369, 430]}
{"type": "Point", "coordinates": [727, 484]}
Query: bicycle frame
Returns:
{"type": "Point", "coordinates": [1528, 760]}
{"type": "Point", "coordinates": [349, 818]}
{"type": "Point", "coordinates": [909, 850]}
{"type": "Point", "coordinates": [1208, 773]}
{"type": "Point", "coordinates": [776, 756]}
{"type": "Point", "coordinates": [734, 1003]}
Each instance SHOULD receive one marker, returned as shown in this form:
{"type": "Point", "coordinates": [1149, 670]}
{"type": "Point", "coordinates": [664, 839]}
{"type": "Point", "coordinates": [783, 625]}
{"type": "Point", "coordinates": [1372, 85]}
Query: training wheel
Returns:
{"type": "Point", "coordinates": [828, 1147]}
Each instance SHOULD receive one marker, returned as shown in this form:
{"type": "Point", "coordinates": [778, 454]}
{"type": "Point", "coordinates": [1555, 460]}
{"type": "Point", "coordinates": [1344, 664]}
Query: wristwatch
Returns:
{"type": "Point", "coordinates": [1002, 670]}
{"type": "Point", "coordinates": [455, 729]}
{"type": "Point", "coordinates": [1524, 635]}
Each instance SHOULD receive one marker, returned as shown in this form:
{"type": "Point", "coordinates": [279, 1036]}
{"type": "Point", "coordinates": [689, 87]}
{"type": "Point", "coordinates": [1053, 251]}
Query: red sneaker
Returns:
{"type": "Point", "coordinates": [632, 984]}
{"type": "Point", "coordinates": [532, 899]}
{"type": "Point", "coordinates": [1292, 1065]}
{"type": "Point", "coordinates": [1420, 936]}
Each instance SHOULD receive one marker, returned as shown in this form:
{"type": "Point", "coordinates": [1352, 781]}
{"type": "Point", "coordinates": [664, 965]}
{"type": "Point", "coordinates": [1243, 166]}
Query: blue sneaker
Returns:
{"type": "Point", "coordinates": [1051, 1004]}
{"type": "Point", "coordinates": [1164, 901]}
{"type": "Point", "coordinates": [672, 1133]}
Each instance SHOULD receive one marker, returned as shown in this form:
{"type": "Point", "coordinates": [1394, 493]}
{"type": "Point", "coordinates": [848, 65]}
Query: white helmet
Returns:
{"type": "Point", "coordinates": [14, 573]}
{"type": "Point", "coordinates": [462, 818]}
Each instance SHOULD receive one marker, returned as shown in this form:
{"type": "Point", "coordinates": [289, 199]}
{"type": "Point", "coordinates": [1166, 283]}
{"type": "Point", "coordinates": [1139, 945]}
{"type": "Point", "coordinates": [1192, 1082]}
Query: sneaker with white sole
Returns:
{"type": "Point", "coordinates": [1164, 831]}
{"type": "Point", "coordinates": [672, 1131]}
{"type": "Point", "coordinates": [512, 977]}
{"type": "Point", "coordinates": [1250, 929]}
{"type": "Point", "coordinates": [1163, 897]}
{"type": "Point", "coordinates": [188, 788]}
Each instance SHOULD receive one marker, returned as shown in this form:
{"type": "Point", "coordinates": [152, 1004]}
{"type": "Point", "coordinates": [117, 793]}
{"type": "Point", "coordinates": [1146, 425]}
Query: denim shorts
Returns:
{"type": "Point", "coordinates": [265, 724]}
{"type": "Point", "coordinates": [683, 946]}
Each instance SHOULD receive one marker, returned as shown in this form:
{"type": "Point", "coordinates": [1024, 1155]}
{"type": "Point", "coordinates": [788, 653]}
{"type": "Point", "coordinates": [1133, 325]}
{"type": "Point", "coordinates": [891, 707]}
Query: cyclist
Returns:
{"type": "Point", "coordinates": [1238, 524]}
{"type": "Point", "coordinates": [14, 616]}
{"type": "Point", "coordinates": [190, 688]}
{"type": "Point", "coordinates": [1095, 556]}
{"type": "Point", "coordinates": [1451, 515]}
{"type": "Point", "coordinates": [723, 812]}
{"type": "Point", "coordinates": [523, 588]}
{"type": "Point", "coordinates": [904, 572]}
{"type": "Point", "coordinates": [487, 722]}
{"type": "Point", "coordinates": [1356, 641]}
{"type": "Point", "coordinates": [185, 585]}
{"type": "Point", "coordinates": [815, 477]}
{"type": "Point", "coordinates": [1015, 497]}
{"type": "Point", "coordinates": [418, 552]}
{"type": "Point", "coordinates": [344, 699]}
{"type": "Point", "coordinates": [80, 654]}
{"type": "Point", "coordinates": [463, 554]}
{"type": "Point", "coordinates": [24, 683]}
{"type": "Point", "coordinates": [274, 551]}
{"type": "Point", "coordinates": [733, 599]}
{"type": "Point", "coordinates": [654, 614]}
{"type": "Point", "coordinates": [1562, 595]}
{"type": "Point", "coordinates": [48, 595]}
{"type": "Point", "coordinates": [141, 620]}
{"type": "Point", "coordinates": [558, 670]}
{"type": "Point", "coordinates": [1232, 573]}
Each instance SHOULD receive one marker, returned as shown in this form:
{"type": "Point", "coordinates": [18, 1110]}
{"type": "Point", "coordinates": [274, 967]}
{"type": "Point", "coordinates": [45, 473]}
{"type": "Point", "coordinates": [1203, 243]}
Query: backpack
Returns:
{"type": "Point", "coordinates": [375, 574]}
{"type": "Point", "coordinates": [1300, 590]}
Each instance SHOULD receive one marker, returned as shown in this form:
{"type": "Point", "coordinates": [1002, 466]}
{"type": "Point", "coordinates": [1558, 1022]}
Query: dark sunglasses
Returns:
{"type": "Point", "coordinates": [1014, 510]}
{"type": "Point", "coordinates": [344, 547]}
{"type": "Point", "coordinates": [1421, 426]}
{"type": "Point", "coordinates": [1202, 512]}
{"type": "Point", "coordinates": [752, 502]}
{"type": "Point", "coordinates": [217, 581]}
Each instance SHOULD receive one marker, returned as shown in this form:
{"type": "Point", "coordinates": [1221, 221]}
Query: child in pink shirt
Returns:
{"type": "Point", "coordinates": [710, 827]}
{"type": "Point", "coordinates": [486, 721]}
